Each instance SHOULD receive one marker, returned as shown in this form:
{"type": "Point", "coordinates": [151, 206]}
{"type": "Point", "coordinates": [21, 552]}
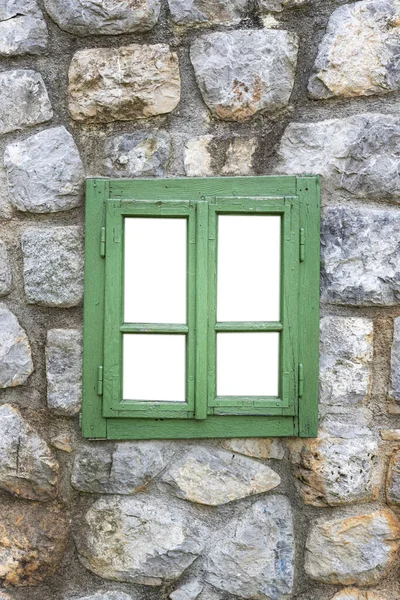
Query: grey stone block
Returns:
{"type": "Point", "coordinates": [393, 480]}
{"type": "Point", "coordinates": [361, 256]}
{"type": "Point", "coordinates": [53, 266]}
{"type": "Point", "coordinates": [5, 271]}
{"type": "Point", "coordinates": [395, 362]}
{"type": "Point", "coordinates": [22, 28]}
{"type": "Point", "coordinates": [210, 12]}
{"type": "Point", "coordinates": [91, 17]}
{"type": "Point", "coordinates": [241, 73]}
{"type": "Point", "coordinates": [253, 557]}
{"type": "Point", "coordinates": [64, 371]}
{"type": "Point", "coordinates": [15, 352]}
{"type": "Point", "coordinates": [45, 172]}
{"type": "Point", "coordinates": [141, 154]}
{"type": "Point", "coordinates": [23, 100]}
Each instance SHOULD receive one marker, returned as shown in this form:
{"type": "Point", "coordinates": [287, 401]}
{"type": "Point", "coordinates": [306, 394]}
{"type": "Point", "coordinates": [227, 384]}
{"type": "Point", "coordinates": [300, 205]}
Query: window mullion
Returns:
{"type": "Point", "coordinates": [201, 310]}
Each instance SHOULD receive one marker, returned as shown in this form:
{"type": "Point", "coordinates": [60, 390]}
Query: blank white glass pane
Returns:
{"type": "Point", "coordinates": [248, 268]}
{"type": "Point", "coordinates": [155, 270]}
{"type": "Point", "coordinates": [247, 364]}
{"type": "Point", "coordinates": [154, 367]}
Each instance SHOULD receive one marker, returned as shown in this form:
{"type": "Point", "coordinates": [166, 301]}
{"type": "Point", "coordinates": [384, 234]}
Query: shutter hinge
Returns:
{"type": "Point", "coordinates": [301, 380]}
{"type": "Point", "coordinates": [103, 242]}
{"type": "Point", "coordinates": [100, 381]}
{"type": "Point", "coordinates": [302, 239]}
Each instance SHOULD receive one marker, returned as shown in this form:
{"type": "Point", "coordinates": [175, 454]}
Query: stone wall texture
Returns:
{"type": "Point", "coordinates": [167, 88]}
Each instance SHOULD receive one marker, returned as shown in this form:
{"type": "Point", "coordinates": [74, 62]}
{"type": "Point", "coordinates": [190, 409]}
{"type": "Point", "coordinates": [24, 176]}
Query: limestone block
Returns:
{"type": "Point", "coordinates": [393, 479]}
{"type": "Point", "coordinates": [354, 594]}
{"type": "Point", "coordinates": [15, 351]}
{"type": "Point", "coordinates": [207, 12]}
{"type": "Point", "coordinates": [53, 266]}
{"type": "Point", "coordinates": [187, 591]}
{"type": "Point", "coordinates": [345, 422]}
{"type": "Point", "coordinates": [138, 540]}
{"type": "Point", "coordinates": [112, 17]}
{"type": "Point", "coordinates": [360, 256]}
{"type": "Point", "coordinates": [356, 156]}
{"type": "Point", "coordinates": [24, 101]}
{"type": "Point", "coordinates": [45, 172]}
{"type": "Point", "coordinates": [390, 435]}
{"type": "Point", "coordinates": [63, 441]}
{"type": "Point", "coordinates": [333, 471]}
{"type": "Point", "coordinates": [216, 477]}
{"type": "Point", "coordinates": [141, 154]}
{"type": "Point", "coordinates": [345, 360]}
{"type": "Point", "coordinates": [267, 6]}
{"type": "Point", "coordinates": [22, 28]}
{"type": "Point", "coordinates": [257, 447]}
{"type": "Point", "coordinates": [5, 271]}
{"type": "Point", "coordinates": [207, 156]}
{"type": "Point", "coordinates": [28, 468]}
{"type": "Point", "coordinates": [113, 595]}
{"type": "Point", "coordinates": [355, 550]}
{"type": "Point", "coordinates": [358, 54]}
{"type": "Point", "coordinates": [122, 468]}
{"type": "Point", "coordinates": [242, 73]}
{"type": "Point", "coordinates": [123, 84]}
{"type": "Point", "coordinates": [395, 363]}
{"type": "Point", "coordinates": [33, 543]}
{"type": "Point", "coordinates": [64, 371]}
{"type": "Point", "coordinates": [252, 557]}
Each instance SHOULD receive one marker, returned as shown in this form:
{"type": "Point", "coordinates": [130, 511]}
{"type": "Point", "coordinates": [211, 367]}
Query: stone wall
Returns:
{"type": "Point", "coordinates": [199, 87]}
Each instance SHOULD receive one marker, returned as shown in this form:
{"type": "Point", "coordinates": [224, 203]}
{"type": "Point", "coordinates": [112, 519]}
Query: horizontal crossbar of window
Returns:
{"type": "Point", "coordinates": [249, 326]}
{"type": "Point", "coordinates": [153, 328]}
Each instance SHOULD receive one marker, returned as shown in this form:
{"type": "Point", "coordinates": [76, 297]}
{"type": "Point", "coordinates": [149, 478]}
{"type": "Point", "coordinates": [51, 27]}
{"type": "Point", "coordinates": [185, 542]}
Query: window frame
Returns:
{"type": "Point", "coordinates": [200, 201]}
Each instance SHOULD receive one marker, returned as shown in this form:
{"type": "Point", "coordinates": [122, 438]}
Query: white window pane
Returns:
{"type": "Point", "coordinates": [248, 268]}
{"type": "Point", "coordinates": [247, 364]}
{"type": "Point", "coordinates": [154, 367]}
{"type": "Point", "coordinates": [155, 270]}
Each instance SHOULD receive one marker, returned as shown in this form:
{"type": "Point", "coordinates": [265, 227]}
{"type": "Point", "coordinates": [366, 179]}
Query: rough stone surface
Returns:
{"type": "Point", "coordinates": [28, 468]}
{"type": "Point", "coordinates": [187, 591]}
{"type": "Point", "coordinates": [267, 6]}
{"type": "Point", "coordinates": [123, 84]}
{"type": "Point", "coordinates": [63, 441]}
{"type": "Point", "coordinates": [23, 100]}
{"type": "Point", "coordinates": [15, 352]}
{"type": "Point", "coordinates": [235, 156]}
{"type": "Point", "coordinates": [253, 556]}
{"type": "Point", "coordinates": [198, 12]}
{"type": "Point", "coordinates": [333, 471]}
{"type": "Point", "coordinates": [257, 447]}
{"type": "Point", "coordinates": [390, 435]}
{"type": "Point", "coordinates": [53, 266]}
{"type": "Point", "coordinates": [33, 541]}
{"type": "Point", "coordinates": [354, 594]}
{"type": "Point", "coordinates": [345, 422]}
{"type": "Point", "coordinates": [356, 156]}
{"type": "Point", "coordinates": [346, 351]}
{"type": "Point", "coordinates": [141, 154]}
{"type": "Point", "coordinates": [358, 55]}
{"type": "Point", "coordinates": [361, 256]}
{"type": "Point", "coordinates": [5, 271]}
{"type": "Point", "coordinates": [64, 371]}
{"type": "Point", "coordinates": [113, 595]}
{"type": "Point", "coordinates": [356, 550]}
{"type": "Point", "coordinates": [395, 362]}
{"type": "Point", "coordinates": [22, 28]}
{"type": "Point", "coordinates": [138, 540]}
{"type": "Point", "coordinates": [241, 73]}
{"type": "Point", "coordinates": [110, 17]}
{"type": "Point", "coordinates": [45, 172]}
{"type": "Point", "coordinates": [123, 468]}
{"type": "Point", "coordinates": [217, 477]}
{"type": "Point", "coordinates": [393, 479]}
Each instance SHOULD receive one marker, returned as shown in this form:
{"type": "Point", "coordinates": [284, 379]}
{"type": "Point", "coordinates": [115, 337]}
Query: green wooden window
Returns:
{"type": "Point", "coordinates": [201, 308]}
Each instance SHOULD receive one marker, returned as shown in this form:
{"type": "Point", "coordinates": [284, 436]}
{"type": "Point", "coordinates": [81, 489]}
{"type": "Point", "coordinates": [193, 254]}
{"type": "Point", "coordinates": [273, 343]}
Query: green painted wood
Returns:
{"type": "Point", "coordinates": [93, 424]}
{"type": "Point", "coordinates": [212, 427]}
{"type": "Point", "coordinates": [308, 190]}
{"type": "Point", "coordinates": [190, 197]}
{"type": "Point", "coordinates": [201, 310]}
{"type": "Point", "coordinates": [192, 188]}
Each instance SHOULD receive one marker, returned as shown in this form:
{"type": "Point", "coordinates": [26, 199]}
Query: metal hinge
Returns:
{"type": "Point", "coordinates": [301, 380]}
{"type": "Point", "coordinates": [302, 240]}
{"type": "Point", "coordinates": [100, 381]}
{"type": "Point", "coordinates": [103, 242]}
